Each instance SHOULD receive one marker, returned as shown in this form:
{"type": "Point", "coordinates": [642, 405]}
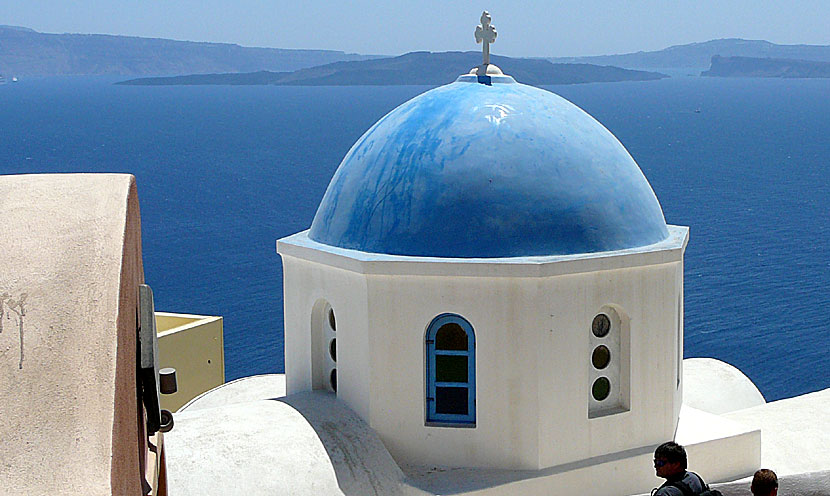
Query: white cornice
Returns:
{"type": "Point", "coordinates": [302, 247]}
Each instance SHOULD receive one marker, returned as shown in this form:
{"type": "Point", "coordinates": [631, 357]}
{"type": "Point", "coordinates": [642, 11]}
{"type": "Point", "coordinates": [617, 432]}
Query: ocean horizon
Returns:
{"type": "Point", "coordinates": [225, 171]}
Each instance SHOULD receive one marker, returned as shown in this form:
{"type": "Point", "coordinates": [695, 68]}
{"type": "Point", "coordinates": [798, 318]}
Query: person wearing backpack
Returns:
{"type": "Point", "coordinates": [670, 464]}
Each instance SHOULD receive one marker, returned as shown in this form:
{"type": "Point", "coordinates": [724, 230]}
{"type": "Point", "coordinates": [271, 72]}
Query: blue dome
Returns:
{"type": "Point", "coordinates": [474, 170]}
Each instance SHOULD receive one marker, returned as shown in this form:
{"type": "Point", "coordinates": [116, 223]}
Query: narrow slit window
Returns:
{"type": "Point", "coordinates": [450, 350]}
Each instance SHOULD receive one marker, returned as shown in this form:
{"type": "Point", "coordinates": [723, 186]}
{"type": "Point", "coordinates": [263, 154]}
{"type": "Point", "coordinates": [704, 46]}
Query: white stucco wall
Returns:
{"type": "Point", "coordinates": [532, 321]}
{"type": "Point", "coordinates": [242, 441]}
{"type": "Point", "coordinates": [506, 432]}
{"type": "Point", "coordinates": [244, 438]}
{"type": "Point", "coordinates": [532, 365]}
{"type": "Point", "coordinates": [646, 297]}
{"type": "Point", "coordinates": [345, 291]}
{"type": "Point", "coordinates": [717, 387]}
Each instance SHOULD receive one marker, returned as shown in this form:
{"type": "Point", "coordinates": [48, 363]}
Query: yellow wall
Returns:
{"type": "Point", "coordinates": [193, 345]}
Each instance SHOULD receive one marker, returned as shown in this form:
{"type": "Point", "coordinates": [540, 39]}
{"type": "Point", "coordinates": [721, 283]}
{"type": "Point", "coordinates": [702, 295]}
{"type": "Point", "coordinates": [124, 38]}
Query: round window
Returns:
{"type": "Point", "coordinates": [601, 388]}
{"type": "Point", "coordinates": [601, 357]}
{"type": "Point", "coordinates": [332, 322]}
{"type": "Point", "coordinates": [601, 325]}
{"type": "Point", "coordinates": [333, 380]}
{"type": "Point", "coordinates": [333, 349]}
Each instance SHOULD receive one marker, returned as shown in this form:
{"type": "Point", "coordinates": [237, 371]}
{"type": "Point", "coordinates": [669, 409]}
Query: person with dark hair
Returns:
{"type": "Point", "coordinates": [670, 464]}
{"type": "Point", "coordinates": [764, 483]}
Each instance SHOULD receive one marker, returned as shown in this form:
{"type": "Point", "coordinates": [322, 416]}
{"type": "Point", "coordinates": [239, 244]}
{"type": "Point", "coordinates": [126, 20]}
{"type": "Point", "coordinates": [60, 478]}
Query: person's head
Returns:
{"type": "Point", "coordinates": [764, 483]}
{"type": "Point", "coordinates": [669, 459]}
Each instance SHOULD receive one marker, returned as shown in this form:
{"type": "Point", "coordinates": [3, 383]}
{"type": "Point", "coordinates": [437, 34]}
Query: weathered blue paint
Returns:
{"type": "Point", "coordinates": [472, 170]}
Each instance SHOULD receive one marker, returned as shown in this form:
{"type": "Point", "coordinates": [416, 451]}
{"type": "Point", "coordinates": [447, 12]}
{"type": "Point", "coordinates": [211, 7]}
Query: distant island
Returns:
{"type": "Point", "coordinates": [424, 68]}
{"type": "Point", "coordinates": [25, 52]}
{"type": "Point", "coordinates": [766, 67]}
{"type": "Point", "coordinates": [696, 56]}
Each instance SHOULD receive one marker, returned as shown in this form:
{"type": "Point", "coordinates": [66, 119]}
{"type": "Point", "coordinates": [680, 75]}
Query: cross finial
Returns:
{"type": "Point", "coordinates": [486, 34]}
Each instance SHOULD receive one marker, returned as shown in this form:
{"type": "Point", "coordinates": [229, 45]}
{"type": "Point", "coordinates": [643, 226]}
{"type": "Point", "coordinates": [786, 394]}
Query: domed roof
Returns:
{"type": "Point", "coordinates": [478, 170]}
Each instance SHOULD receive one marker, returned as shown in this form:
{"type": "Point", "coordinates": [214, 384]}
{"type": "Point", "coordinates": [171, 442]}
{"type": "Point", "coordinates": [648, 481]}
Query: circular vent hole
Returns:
{"type": "Point", "coordinates": [601, 357]}
{"type": "Point", "coordinates": [601, 388]}
{"type": "Point", "coordinates": [601, 325]}
{"type": "Point", "coordinates": [332, 322]}
{"type": "Point", "coordinates": [333, 380]}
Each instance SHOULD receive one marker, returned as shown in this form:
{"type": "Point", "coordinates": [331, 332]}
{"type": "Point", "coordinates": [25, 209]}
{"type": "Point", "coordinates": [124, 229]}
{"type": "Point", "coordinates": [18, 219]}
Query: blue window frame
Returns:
{"type": "Point", "coordinates": [451, 371]}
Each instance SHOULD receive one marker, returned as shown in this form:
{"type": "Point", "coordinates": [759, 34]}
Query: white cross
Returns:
{"type": "Point", "coordinates": [486, 34]}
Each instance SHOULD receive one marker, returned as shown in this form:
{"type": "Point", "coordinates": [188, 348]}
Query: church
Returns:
{"type": "Point", "coordinates": [498, 281]}
{"type": "Point", "coordinates": [490, 290]}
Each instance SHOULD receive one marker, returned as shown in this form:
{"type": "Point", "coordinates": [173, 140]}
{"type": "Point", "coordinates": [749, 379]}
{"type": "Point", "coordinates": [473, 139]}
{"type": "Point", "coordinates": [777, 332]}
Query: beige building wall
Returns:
{"type": "Point", "coordinates": [69, 272]}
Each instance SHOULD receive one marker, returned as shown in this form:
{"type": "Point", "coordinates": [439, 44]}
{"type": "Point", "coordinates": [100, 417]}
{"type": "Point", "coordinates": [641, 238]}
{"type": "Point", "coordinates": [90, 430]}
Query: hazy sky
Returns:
{"type": "Point", "coordinates": [525, 28]}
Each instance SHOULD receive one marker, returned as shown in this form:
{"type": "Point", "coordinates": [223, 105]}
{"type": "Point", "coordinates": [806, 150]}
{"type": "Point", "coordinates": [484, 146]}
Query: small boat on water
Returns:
{"type": "Point", "coordinates": [2, 79]}
{"type": "Point", "coordinates": [14, 79]}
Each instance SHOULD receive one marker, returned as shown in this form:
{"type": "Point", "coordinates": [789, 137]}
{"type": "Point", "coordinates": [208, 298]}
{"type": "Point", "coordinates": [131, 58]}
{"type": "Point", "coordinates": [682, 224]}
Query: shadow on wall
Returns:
{"type": "Point", "coordinates": [361, 463]}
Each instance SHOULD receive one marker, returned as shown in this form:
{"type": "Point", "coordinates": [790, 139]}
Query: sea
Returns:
{"type": "Point", "coordinates": [225, 171]}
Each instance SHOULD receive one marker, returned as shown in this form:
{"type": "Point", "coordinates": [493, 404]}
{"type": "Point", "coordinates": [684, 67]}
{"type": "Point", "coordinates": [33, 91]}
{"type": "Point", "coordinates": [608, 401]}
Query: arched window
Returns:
{"type": "Point", "coordinates": [608, 369]}
{"type": "Point", "coordinates": [451, 372]}
{"type": "Point", "coordinates": [323, 347]}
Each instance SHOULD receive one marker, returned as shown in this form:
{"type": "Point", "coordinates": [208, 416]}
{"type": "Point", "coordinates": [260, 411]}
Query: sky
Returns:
{"type": "Point", "coordinates": [525, 28]}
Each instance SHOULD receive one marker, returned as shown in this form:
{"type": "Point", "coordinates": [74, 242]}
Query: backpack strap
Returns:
{"type": "Point", "coordinates": [684, 488]}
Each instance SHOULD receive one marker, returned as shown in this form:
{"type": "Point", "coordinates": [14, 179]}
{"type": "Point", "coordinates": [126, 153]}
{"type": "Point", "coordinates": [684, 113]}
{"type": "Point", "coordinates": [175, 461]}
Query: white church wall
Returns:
{"type": "Point", "coordinates": [646, 298]}
{"type": "Point", "coordinates": [532, 323]}
{"type": "Point", "coordinates": [679, 310]}
{"type": "Point", "coordinates": [526, 328]}
{"type": "Point", "coordinates": [505, 434]}
{"type": "Point", "coordinates": [309, 286]}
